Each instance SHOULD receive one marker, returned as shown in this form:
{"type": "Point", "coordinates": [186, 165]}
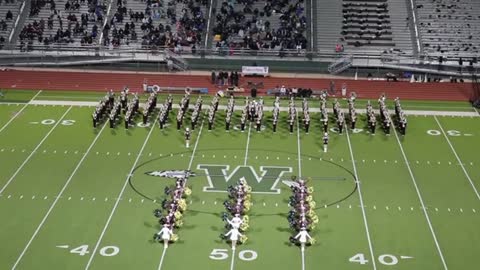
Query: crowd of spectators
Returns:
{"type": "Point", "coordinates": [180, 30]}
{"type": "Point", "coordinates": [70, 26]}
{"type": "Point", "coordinates": [244, 26]}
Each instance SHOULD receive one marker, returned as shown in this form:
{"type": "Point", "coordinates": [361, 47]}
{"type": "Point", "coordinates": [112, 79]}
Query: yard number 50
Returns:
{"type": "Point", "coordinates": [219, 254]}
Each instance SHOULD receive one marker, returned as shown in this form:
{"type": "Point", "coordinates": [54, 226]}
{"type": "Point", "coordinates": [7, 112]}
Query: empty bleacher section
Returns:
{"type": "Point", "coordinates": [363, 26]}
{"type": "Point", "coordinates": [272, 25]}
{"type": "Point", "coordinates": [175, 24]}
{"type": "Point", "coordinates": [449, 27]}
{"type": "Point", "coordinates": [8, 13]}
{"type": "Point", "coordinates": [367, 23]}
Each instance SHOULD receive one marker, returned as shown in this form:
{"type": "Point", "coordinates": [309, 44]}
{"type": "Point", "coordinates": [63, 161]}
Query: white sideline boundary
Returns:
{"type": "Point", "coordinates": [120, 195]}
{"type": "Point", "coordinates": [458, 158]}
{"type": "Point", "coordinates": [34, 150]}
{"type": "Point", "coordinates": [19, 112]}
{"type": "Point", "coordinates": [190, 163]}
{"type": "Point", "coordinates": [424, 209]}
{"type": "Point", "coordinates": [364, 214]}
{"type": "Point", "coordinates": [266, 108]}
{"type": "Point", "coordinates": [59, 195]}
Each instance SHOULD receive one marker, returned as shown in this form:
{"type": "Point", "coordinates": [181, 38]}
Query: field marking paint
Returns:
{"type": "Point", "coordinates": [120, 195]}
{"type": "Point", "coordinates": [163, 256]}
{"type": "Point", "coordinates": [34, 150]}
{"type": "Point", "coordinates": [298, 149]}
{"type": "Point", "coordinates": [421, 201]}
{"type": "Point", "coordinates": [59, 195]}
{"type": "Point", "coordinates": [19, 112]}
{"type": "Point", "coordinates": [361, 200]}
{"type": "Point", "coordinates": [190, 163]}
{"type": "Point", "coordinates": [232, 262]}
{"type": "Point", "coordinates": [303, 257]}
{"type": "Point", "coordinates": [248, 144]}
{"type": "Point", "coordinates": [458, 158]}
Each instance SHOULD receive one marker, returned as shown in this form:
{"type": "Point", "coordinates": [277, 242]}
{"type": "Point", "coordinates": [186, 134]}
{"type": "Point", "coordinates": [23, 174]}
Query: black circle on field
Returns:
{"type": "Point", "coordinates": [132, 185]}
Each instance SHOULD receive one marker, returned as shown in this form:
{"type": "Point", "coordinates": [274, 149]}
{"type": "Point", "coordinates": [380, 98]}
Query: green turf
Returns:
{"type": "Point", "coordinates": [87, 96]}
{"type": "Point", "coordinates": [91, 183]}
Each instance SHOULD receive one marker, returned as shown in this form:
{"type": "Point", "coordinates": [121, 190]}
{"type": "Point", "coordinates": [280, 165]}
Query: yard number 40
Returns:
{"type": "Point", "coordinates": [385, 259]}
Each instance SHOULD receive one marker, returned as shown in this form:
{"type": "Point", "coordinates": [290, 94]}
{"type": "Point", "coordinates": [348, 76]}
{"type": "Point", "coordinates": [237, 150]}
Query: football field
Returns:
{"type": "Point", "coordinates": [75, 197]}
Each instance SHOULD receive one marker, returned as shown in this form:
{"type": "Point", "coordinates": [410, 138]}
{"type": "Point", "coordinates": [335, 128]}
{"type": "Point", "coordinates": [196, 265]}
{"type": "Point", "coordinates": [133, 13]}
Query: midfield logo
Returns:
{"type": "Point", "coordinates": [219, 179]}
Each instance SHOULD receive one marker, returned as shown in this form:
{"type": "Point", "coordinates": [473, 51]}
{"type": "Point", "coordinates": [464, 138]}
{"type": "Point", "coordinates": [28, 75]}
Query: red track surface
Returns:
{"type": "Point", "coordinates": [102, 81]}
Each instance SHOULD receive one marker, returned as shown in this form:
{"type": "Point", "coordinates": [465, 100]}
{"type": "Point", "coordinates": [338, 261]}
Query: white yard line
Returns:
{"type": "Point", "coordinates": [120, 195]}
{"type": "Point", "coordinates": [59, 195]}
{"type": "Point", "coordinates": [19, 112]}
{"type": "Point", "coordinates": [190, 163]}
{"type": "Point", "coordinates": [232, 262]}
{"type": "Point", "coordinates": [303, 257]}
{"type": "Point", "coordinates": [248, 143]}
{"type": "Point", "coordinates": [421, 201]}
{"type": "Point", "coordinates": [34, 151]}
{"type": "Point", "coordinates": [161, 258]}
{"type": "Point", "coordinates": [458, 158]}
{"type": "Point", "coordinates": [298, 149]}
{"type": "Point", "coordinates": [361, 199]}
{"type": "Point", "coordinates": [476, 110]}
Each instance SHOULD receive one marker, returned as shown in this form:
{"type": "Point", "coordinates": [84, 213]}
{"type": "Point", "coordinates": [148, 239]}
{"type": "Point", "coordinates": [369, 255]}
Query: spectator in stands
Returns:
{"type": "Point", "coordinates": [3, 25]}
{"type": "Point", "coordinates": [9, 16]}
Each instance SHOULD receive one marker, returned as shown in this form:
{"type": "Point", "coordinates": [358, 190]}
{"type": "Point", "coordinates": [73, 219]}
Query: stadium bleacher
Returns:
{"type": "Point", "coordinates": [257, 25]}
{"type": "Point", "coordinates": [66, 22]}
{"type": "Point", "coordinates": [449, 27]}
{"type": "Point", "coordinates": [385, 29]}
{"type": "Point", "coordinates": [8, 13]}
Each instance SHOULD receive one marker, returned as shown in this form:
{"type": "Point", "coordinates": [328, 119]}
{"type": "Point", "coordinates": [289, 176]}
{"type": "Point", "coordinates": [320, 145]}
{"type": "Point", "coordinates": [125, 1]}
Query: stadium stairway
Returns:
{"type": "Point", "coordinates": [85, 81]}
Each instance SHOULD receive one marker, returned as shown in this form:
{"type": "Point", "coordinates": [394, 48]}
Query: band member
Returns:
{"type": "Point", "coordinates": [211, 118]}
{"type": "Point", "coordinates": [145, 117]}
{"type": "Point", "coordinates": [165, 233]}
{"type": "Point", "coordinates": [234, 235]}
{"type": "Point", "coordinates": [373, 126]}
{"type": "Point", "coordinates": [95, 119]}
{"type": "Point", "coordinates": [242, 121]}
{"type": "Point", "coordinates": [179, 119]}
{"type": "Point", "coordinates": [325, 142]}
{"type": "Point", "coordinates": [403, 126]}
{"type": "Point", "coordinates": [187, 137]}
{"type": "Point", "coordinates": [307, 123]}
{"type": "Point", "coordinates": [112, 120]}
{"type": "Point", "coordinates": [127, 120]}
{"type": "Point", "coordinates": [340, 122]}
{"type": "Point", "coordinates": [235, 222]}
{"type": "Point", "coordinates": [325, 124]}
{"type": "Point", "coordinates": [353, 121]}
{"type": "Point", "coordinates": [387, 127]}
{"type": "Point", "coordinates": [227, 122]}
{"type": "Point", "coordinates": [124, 98]}
{"type": "Point", "coordinates": [302, 236]}
{"type": "Point", "coordinates": [194, 119]}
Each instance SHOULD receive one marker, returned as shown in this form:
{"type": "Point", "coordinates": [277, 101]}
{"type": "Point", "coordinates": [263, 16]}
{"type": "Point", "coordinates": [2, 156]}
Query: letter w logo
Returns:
{"type": "Point", "coordinates": [219, 179]}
